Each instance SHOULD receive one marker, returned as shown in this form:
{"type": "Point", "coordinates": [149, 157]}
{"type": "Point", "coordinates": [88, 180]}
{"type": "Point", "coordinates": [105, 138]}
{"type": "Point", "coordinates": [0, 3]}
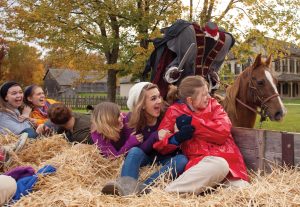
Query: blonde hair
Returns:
{"type": "Point", "coordinates": [138, 120]}
{"type": "Point", "coordinates": [105, 118]}
{"type": "Point", "coordinates": [187, 88]}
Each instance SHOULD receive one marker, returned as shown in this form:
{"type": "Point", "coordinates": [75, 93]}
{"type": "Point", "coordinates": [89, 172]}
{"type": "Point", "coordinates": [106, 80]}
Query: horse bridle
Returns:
{"type": "Point", "coordinates": [256, 95]}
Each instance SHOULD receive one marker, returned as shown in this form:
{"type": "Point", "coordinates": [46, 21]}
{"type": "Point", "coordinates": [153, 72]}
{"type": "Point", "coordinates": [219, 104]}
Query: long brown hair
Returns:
{"type": "Point", "coordinates": [105, 118]}
{"type": "Point", "coordinates": [187, 88]}
{"type": "Point", "coordinates": [138, 120]}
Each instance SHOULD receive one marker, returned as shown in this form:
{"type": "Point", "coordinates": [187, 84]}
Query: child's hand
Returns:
{"type": "Point", "coordinates": [183, 120]}
{"type": "Point", "coordinates": [140, 138]}
{"type": "Point", "coordinates": [163, 133]}
{"type": "Point", "coordinates": [42, 129]}
{"type": "Point", "coordinates": [175, 128]}
{"type": "Point", "coordinates": [185, 133]}
{"type": "Point", "coordinates": [26, 111]}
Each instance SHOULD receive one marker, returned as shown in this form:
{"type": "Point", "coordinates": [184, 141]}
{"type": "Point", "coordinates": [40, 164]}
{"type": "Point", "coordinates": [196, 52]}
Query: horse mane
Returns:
{"type": "Point", "coordinates": [229, 103]}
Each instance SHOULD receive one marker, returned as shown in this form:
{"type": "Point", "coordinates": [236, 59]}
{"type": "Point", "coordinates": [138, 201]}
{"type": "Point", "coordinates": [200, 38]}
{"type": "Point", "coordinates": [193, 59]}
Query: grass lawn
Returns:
{"type": "Point", "coordinates": [83, 111]}
{"type": "Point", "coordinates": [291, 101]}
{"type": "Point", "coordinates": [290, 123]}
{"type": "Point", "coordinates": [91, 94]}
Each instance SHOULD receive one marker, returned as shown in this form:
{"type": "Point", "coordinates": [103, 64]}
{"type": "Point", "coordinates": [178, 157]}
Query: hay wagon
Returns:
{"type": "Point", "coordinates": [264, 148]}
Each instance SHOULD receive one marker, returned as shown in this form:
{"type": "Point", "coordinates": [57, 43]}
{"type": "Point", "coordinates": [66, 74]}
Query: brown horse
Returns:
{"type": "Point", "coordinates": [255, 88]}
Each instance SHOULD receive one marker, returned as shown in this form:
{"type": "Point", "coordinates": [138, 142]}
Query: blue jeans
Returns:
{"type": "Point", "coordinates": [31, 132]}
{"type": "Point", "coordinates": [136, 158]}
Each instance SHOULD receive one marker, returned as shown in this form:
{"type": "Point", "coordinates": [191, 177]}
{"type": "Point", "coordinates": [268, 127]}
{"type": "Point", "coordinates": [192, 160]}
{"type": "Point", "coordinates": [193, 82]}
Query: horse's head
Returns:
{"type": "Point", "coordinates": [263, 90]}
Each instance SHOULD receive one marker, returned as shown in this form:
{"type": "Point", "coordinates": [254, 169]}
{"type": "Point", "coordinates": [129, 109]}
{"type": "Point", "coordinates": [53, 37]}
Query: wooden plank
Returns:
{"type": "Point", "coordinates": [244, 137]}
{"type": "Point", "coordinates": [250, 158]}
{"type": "Point", "coordinates": [263, 149]}
{"type": "Point", "coordinates": [246, 140]}
{"type": "Point", "coordinates": [288, 149]}
{"type": "Point", "coordinates": [297, 148]}
{"type": "Point", "coordinates": [261, 141]}
{"type": "Point", "coordinates": [273, 154]}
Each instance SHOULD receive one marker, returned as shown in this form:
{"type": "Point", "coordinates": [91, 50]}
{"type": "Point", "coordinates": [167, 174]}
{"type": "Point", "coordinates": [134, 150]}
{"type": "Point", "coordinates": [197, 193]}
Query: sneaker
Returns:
{"type": "Point", "coordinates": [113, 188]}
{"type": "Point", "coordinates": [144, 189]}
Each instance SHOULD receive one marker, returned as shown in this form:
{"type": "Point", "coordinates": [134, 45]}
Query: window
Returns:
{"type": "Point", "coordinates": [277, 65]}
{"type": "Point", "coordinates": [292, 65]}
{"type": "Point", "coordinates": [285, 89]}
{"type": "Point", "coordinates": [284, 65]}
{"type": "Point", "coordinates": [237, 69]}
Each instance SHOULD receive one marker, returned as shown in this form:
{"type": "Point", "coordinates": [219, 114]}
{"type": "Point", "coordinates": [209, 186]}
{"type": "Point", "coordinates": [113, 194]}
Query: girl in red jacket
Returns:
{"type": "Point", "coordinates": [198, 125]}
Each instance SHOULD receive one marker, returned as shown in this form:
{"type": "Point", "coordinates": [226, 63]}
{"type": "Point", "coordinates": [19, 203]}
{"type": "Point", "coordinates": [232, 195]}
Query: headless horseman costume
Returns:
{"type": "Point", "coordinates": [205, 59]}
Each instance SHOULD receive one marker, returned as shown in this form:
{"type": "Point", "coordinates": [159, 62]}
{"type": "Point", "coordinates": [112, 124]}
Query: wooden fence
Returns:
{"type": "Point", "coordinates": [262, 149]}
{"type": "Point", "coordinates": [79, 102]}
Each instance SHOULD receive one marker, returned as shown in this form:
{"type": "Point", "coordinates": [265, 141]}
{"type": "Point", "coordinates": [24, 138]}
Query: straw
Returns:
{"type": "Point", "coordinates": [82, 172]}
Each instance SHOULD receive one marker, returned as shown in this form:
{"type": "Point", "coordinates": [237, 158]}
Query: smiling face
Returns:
{"type": "Point", "coordinates": [152, 103]}
{"type": "Point", "coordinates": [37, 98]}
{"type": "Point", "coordinates": [14, 96]}
{"type": "Point", "coordinates": [201, 98]}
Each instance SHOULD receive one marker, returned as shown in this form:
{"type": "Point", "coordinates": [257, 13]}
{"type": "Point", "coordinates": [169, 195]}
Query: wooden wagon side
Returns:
{"type": "Point", "coordinates": [263, 148]}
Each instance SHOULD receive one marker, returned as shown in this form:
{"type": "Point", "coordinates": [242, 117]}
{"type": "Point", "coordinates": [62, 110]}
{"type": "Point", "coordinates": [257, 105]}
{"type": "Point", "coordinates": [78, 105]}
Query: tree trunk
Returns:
{"type": "Point", "coordinates": [111, 85]}
{"type": "Point", "coordinates": [143, 8]}
{"type": "Point", "coordinates": [112, 55]}
{"type": "Point", "coordinates": [191, 10]}
{"type": "Point", "coordinates": [144, 42]}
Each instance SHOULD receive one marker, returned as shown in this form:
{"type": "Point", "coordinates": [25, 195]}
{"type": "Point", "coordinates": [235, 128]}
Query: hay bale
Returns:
{"type": "Point", "coordinates": [8, 139]}
{"type": "Point", "coordinates": [36, 151]}
{"type": "Point", "coordinates": [82, 172]}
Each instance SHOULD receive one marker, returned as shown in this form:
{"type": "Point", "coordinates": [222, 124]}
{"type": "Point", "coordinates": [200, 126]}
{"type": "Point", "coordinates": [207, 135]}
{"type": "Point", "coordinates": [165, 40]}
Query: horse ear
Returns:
{"type": "Point", "coordinates": [257, 61]}
{"type": "Point", "coordinates": [269, 61]}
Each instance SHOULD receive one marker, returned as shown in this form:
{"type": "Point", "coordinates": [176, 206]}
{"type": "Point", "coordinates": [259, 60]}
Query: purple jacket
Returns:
{"type": "Point", "coordinates": [108, 149]}
{"type": "Point", "coordinates": [150, 134]}
{"type": "Point", "coordinates": [150, 137]}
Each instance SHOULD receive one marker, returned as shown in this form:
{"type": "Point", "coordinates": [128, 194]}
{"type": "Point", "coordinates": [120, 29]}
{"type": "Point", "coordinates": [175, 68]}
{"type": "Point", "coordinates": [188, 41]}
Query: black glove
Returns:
{"type": "Point", "coordinates": [183, 120]}
{"type": "Point", "coordinates": [185, 133]}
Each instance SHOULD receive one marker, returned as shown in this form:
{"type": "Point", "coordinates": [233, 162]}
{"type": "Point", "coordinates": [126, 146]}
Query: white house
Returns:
{"type": "Point", "coordinates": [125, 85]}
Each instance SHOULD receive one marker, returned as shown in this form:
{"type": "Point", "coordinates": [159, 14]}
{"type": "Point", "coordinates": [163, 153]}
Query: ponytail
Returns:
{"type": "Point", "coordinates": [172, 94]}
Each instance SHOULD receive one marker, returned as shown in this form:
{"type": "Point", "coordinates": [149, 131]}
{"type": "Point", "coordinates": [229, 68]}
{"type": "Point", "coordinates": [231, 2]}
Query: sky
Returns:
{"type": "Point", "coordinates": [197, 3]}
{"type": "Point", "coordinates": [221, 5]}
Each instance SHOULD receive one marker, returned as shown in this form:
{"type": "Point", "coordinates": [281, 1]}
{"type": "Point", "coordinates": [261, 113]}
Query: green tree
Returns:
{"type": "Point", "coordinates": [107, 27]}
{"type": "Point", "coordinates": [254, 20]}
{"type": "Point", "coordinates": [79, 60]}
{"type": "Point", "coordinates": [3, 52]}
{"type": "Point", "coordinates": [22, 64]}
{"type": "Point", "coordinates": [147, 17]}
